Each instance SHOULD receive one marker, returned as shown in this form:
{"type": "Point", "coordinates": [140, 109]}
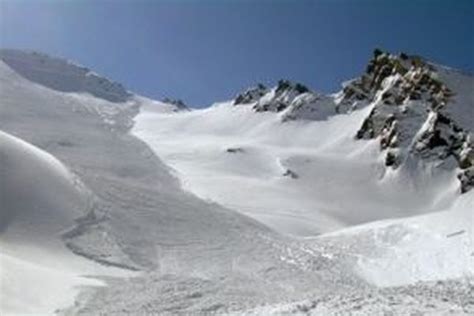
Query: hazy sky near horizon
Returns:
{"type": "Point", "coordinates": [209, 50]}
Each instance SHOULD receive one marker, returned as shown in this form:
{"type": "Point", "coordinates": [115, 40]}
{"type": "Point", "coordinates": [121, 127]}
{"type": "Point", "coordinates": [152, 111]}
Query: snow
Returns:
{"type": "Point", "coordinates": [29, 288]}
{"type": "Point", "coordinates": [62, 75]}
{"type": "Point", "coordinates": [432, 298]}
{"type": "Point", "coordinates": [436, 246]}
{"type": "Point", "coordinates": [84, 201]}
{"type": "Point", "coordinates": [39, 196]}
{"type": "Point", "coordinates": [39, 200]}
{"type": "Point", "coordinates": [161, 106]}
{"type": "Point", "coordinates": [334, 171]}
{"type": "Point", "coordinates": [431, 247]}
{"type": "Point", "coordinates": [138, 218]}
{"type": "Point", "coordinates": [462, 85]}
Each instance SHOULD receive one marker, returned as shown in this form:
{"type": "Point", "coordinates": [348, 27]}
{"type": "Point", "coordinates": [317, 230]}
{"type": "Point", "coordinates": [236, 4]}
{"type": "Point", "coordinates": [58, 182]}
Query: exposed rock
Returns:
{"type": "Point", "coordinates": [410, 115]}
{"type": "Point", "coordinates": [251, 95]}
{"type": "Point", "coordinates": [466, 156]}
{"type": "Point", "coordinates": [409, 111]}
{"type": "Point", "coordinates": [466, 177]}
{"type": "Point", "coordinates": [293, 100]}
{"type": "Point", "coordinates": [235, 150]}
{"type": "Point", "coordinates": [178, 103]}
{"type": "Point", "coordinates": [291, 174]}
{"type": "Point", "coordinates": [391, 159]}
{"type": "Point", "coordinates": [283, 96]}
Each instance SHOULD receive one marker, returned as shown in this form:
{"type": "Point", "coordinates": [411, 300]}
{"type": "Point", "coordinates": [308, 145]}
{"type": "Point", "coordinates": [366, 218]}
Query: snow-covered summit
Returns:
{"type": "Point", "coordinates": [276, 99]}
{"type": "Point", "coordinates": [251, 95]}
{"type": "Point", "coordinates": [420, 111]}
{"type": "Point", "coordinates": [62, 75]}
{"type": "Point", "coordinates": [292, 99]}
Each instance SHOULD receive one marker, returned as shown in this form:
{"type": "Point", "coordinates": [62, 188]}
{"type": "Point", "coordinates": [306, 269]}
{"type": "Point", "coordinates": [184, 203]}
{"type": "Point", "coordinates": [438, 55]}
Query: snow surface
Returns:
{"type": "Point", "coordinates": [140, 219]}
{"type": "Point", "coordinates": [462, 85]}
{"type": "Point", "coordinates": [62, 75]}
{"type": "Point", "coordinates": [121, 206]}
{"type": "Point", "coordinates": [39, 199]}
{"type": "Point", "coordinates": [339, 181]}
{"type": "Point", "coordinates": [430, 247]}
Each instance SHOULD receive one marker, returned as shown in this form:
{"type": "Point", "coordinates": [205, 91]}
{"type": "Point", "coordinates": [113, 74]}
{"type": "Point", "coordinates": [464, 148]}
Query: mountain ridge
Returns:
{"type": "Point", "coordinates": [411, 115]}
{"type": "Point", "coordinates": [414, 110]}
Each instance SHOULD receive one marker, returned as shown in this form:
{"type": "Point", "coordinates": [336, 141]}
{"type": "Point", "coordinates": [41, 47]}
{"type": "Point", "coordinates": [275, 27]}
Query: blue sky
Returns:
{"type": "Point", "coordinates": [206, 51]}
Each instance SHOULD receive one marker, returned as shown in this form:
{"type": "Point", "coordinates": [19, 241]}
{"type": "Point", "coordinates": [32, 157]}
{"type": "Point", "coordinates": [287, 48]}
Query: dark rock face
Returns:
{"type": "Point", "coordinates": [391, 159]}
{"type": "Point", "coordinates": [178, 103]}
{"type": "Point", "coordinates": [409, 114]}
{"type": "Point", "coordinates": [235, 150]}
{"type": "Point", "coordinates": [285, 85]}
{"type": "Point", "coordinates": [294, 101]}
{"type": "Point", "coordinates": [442, 138]}
{"type": "Point", "coordinates": [466, 177]}
{"type": "Point", "coordinates": [283, 95]}
{"type": "Point", "coordinates": [291, 174]}
{"type": "Point", "coordinates": [416, 81]}
{"type": "Point", "coordinates": [251, 95]}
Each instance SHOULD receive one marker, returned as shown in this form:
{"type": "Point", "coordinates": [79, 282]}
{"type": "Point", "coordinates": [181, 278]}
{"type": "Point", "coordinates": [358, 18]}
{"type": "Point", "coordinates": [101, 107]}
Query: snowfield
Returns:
{"type": "Point", "coordinates": [333, 172]}
{"type": "Point", "coordinates": [115, 204]}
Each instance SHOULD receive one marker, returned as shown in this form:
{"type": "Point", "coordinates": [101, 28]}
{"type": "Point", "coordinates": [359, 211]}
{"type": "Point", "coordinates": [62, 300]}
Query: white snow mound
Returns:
{"type": "Point", "coordinates": [39, 197]}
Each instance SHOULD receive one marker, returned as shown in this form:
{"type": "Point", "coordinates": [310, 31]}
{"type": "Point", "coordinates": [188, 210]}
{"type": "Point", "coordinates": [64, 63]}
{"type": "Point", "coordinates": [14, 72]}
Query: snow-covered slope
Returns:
{"type": "Point", "coordinates": [138, 218]}
{"type": "Point", "coordinates": [301, 177]}
{"type": "Point", "coordinates": [421, 112]}
{"type": "Point", "coordinates": [39, 200]}
{"type": "Point", "coordinates": [62, 75]}
{"type": "Point", "coordinates": [412, 261]}
{"type": "Point", "coordinates": [388, 145]}
{"type": "Point", "coordinates": [430, 247]}
{"type": "Point", "coordinates": [287, 157]}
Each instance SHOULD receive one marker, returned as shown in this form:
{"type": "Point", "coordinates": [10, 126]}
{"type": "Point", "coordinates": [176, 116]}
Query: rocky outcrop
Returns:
{"type": "Point", "coordinates": [235, 150]}
{"type": "Point", "coordinates": [291, 174]}
{"type": "Point", "coordinates": [281, 97]}
{"type": "Point", "coordinates": [273, 100]}
{"type": "Point", "coordinates": [411, 114]}
{"type": "Point", "coordinates": [178, 104]}
{"type": "Point", "coordinates": [251, 95]}
{"type": "Point", "coordinates": [293, 100]}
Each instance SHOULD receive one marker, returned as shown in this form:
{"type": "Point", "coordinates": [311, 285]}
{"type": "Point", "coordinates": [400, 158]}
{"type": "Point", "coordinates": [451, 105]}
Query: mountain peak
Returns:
{"type": "Point", "coordinates": [275, 99]}
{"type": "Point", "coordinates": [251, 95]}
{"type": "Point", "coordinates": [287, 85]}
{"type": "Point", "coordinates": [419, 110]}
